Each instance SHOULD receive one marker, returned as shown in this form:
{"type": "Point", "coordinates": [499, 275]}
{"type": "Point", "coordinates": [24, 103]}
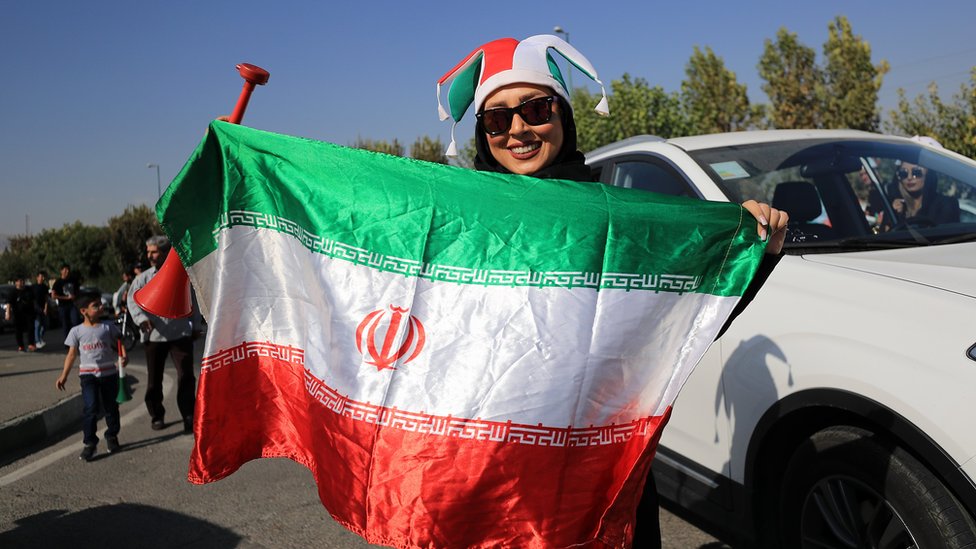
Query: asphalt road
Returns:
{"type": "Point", "coordinates": [140, 497]}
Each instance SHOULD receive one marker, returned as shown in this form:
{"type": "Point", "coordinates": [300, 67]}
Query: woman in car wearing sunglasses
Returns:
{"type": "Point", "coordinates": [525, 126]}
{"type": "Point", "coordinates": [915, 196]}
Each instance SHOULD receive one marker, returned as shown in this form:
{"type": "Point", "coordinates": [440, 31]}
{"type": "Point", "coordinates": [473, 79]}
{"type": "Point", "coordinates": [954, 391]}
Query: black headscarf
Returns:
{"type": "Point", "coordinates": [569, 163]}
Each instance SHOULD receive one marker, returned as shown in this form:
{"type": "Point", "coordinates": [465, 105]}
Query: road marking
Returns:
{"type": "Point", "coordinates": [75, 448]}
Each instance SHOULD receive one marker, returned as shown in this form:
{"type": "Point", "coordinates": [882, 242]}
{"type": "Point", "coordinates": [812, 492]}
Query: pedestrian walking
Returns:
{"type": "Point", "coordinates": [64, 291]}
{"type": "Point", "coordinates": [20, 311]}
{"type": "Point", "coordinates": [171, 337]}
{"type": "Point", "coordinates": [96, 343]}
{"type": "Point", "coordinates": [42, 296]}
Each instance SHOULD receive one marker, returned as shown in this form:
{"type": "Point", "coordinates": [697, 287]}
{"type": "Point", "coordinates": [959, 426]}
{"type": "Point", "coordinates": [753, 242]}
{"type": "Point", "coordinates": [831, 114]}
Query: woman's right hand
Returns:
{"type": "Point", "coordinates": [771, 224]}
{"type": "Point", "coordinates": [898, 205]}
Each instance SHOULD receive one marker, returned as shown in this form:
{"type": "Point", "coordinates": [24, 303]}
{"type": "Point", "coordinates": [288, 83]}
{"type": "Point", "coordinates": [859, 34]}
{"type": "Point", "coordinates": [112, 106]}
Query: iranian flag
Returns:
{"type": "Point", "coordinates": [461, 359]}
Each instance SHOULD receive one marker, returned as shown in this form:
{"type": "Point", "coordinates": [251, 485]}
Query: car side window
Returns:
{"type": "Point", "coordinates": [649, 175]}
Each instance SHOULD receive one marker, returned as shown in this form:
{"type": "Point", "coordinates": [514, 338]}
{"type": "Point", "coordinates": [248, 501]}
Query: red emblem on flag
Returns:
{"type": "Point", "coordinates": [385, 356]}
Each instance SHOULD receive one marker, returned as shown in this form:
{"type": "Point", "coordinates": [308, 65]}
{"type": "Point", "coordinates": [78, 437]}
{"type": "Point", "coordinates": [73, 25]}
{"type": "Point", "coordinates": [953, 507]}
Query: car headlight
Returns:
{"type": "Point", "coordinates": [971, 353]}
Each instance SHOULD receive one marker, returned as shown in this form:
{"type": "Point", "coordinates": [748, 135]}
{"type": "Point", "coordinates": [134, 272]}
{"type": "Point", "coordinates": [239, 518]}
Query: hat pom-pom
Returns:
{"type": "Point", "coordinates": [440, 108]}
{"type": "Point", "coordinates": [603, 107]}
{"type": "Point", "coordinates": [452, 148]}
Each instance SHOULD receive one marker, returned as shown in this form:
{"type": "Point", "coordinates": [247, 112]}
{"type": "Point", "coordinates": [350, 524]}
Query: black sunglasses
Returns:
{"type": "Point", "coordinates": [916, 172]}
{"type": "Point", "coordinates": [534, 112]}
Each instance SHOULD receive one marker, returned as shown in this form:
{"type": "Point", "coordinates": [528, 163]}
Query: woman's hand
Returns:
{"type": "Point", "coordinates": [898, 205]}
{"type": "Point", "coordinates": [771, 224]}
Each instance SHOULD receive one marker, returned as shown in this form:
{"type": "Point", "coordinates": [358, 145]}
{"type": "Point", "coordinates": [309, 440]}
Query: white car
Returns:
{"type": "Point", "coordinates": [837, 410]}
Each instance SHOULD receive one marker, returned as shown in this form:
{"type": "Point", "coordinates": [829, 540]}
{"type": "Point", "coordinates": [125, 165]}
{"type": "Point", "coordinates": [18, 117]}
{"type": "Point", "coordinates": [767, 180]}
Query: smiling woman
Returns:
{"type": "Point", "coordinates": [526, 138]}
{"type": "Point", "coordinates": [525, 121]}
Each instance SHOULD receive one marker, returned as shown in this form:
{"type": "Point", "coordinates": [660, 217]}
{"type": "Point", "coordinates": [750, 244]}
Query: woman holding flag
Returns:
{"type": "Point", "coordinates": [517, 78]}
{"type": "Point", "coordinates": [525, 126]}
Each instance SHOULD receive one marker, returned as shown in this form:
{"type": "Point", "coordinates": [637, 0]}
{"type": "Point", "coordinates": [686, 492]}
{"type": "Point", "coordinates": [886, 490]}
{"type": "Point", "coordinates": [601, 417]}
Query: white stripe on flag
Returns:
{"type": "Point", "coordinates": [520, 354]}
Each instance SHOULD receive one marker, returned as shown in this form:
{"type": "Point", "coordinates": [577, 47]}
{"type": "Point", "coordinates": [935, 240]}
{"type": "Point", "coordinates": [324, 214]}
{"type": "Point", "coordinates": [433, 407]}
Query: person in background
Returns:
{"type": "Point", "coordinates": [166, 336]}
{"type": "Point", "coordinates": [525, 125]}
{"type": "Point", "coordinates": [42, 295]}
{"type": "Point", "coordinates": [96, 342]}
{"type": "Point", "coordinates": [916, 196]}
{"type": "Point", "coordinates": [64, 291]}
{"type": "Point", "coordinates": [20, 310]}
{"type": "Point", "coordinates": [121, 295]}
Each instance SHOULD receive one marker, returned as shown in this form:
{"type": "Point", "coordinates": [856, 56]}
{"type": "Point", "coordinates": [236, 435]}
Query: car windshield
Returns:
{"type": "Point", "coordinates": [851, 191]}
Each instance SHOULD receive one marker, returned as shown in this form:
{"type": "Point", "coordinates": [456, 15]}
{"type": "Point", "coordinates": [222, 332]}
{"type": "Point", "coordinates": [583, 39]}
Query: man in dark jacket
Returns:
{"type": "Point", "coordinates": [20, 310]}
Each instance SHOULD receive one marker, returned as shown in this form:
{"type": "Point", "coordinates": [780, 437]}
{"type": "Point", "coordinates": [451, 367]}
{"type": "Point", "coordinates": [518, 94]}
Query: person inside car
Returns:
{"type": "Point", "coordinates": [914, 193]}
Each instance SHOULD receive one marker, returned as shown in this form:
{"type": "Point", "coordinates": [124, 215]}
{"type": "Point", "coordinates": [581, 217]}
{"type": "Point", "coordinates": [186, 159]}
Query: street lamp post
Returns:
{"type": "Point", "coordinates": [159, 190]}
{"type": "Point", "coordinates": [569, 66]}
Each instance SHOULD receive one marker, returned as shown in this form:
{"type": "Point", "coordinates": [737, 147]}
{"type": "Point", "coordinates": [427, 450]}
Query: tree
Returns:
{"type": "Point", "coordinates": [466, 154]}
{"type": "Point", "coordinates": [851, 81]}
{"type": "Point", "coordinates": [714, 100]}
{"type": "Point", "coordinates": [431, 150]}
{"type": "Point", "coordinates": [951, 124]}
{"type": "Point", "coordinates": [395, 148]}
{"type": "Point", "coordinates": [84, 247]}
{"type": "Point", "coordinates": [128, 232]}
{"type": "Point", "coordinates": [635, 108]}
{"type": "Point", "coordinates": [794, 82]}
{"type": "Point", "coordinates": [17, 260]}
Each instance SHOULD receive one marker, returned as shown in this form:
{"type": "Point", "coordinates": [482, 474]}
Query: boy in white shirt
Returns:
{"type": "Point", "coordinates": [96, 342]}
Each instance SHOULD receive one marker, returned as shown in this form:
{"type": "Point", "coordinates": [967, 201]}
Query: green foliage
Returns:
{"type": "Point", "coordinates": [97, 254]}
{"type": "Point", "coordinates": [635, 108]}
{"type": "Point", "coordinates": [952, 124]}
{"type": "Point", "coordinates": [466, 154]}
{"type": "Point", "coordinates": [395, 148]}
{"type": "Point", "coordinates": [851, 81]}
{"type": "Point", "coordinates": [128, 233]}
{"type": "Point", "coordinates": [17, 261]}
{"type": "Point", "coordinates": [841, 93]}
{"type": "Point", "coordinates": [431, 150]}
{"type": "Point", "coordinates": [84, 247]}
{"type": "Point", "coordinates": [794, 82]}
{"type": "Point", "coordinates": [712, 96]}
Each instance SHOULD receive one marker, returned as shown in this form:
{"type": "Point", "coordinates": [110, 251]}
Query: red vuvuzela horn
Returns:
{"type": "Point", "coordinates": [168, 293]}
{"type": "Point", "coordinates": [252, 76]}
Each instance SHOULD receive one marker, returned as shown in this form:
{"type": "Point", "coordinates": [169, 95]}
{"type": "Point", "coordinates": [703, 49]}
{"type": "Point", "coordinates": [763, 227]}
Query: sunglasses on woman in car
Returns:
{"type": "Point", "coordinates": [916, 172]}
{"type": "Point", "coordinates": [534, 112]}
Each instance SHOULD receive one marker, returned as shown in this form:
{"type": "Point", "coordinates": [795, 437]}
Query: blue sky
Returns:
{"type": "Point", "coordinates": [94, 91]}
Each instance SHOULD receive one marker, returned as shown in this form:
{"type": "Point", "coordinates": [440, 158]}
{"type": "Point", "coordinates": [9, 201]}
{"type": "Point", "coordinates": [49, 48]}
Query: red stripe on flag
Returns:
{"type": "Point", "coordinates": [440, 486]}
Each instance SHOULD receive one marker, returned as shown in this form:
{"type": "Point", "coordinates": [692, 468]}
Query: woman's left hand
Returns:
{"type": "Point", "coordinates": [772, 224]}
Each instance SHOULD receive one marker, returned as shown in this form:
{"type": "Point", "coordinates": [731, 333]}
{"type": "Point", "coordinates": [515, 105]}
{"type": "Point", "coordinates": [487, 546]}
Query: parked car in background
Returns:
{"type": "Point", "coordinates": [835, 411]}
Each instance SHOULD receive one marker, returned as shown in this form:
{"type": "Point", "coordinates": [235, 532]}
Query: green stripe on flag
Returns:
{"type": "Point", "coordinates": [432, 220]}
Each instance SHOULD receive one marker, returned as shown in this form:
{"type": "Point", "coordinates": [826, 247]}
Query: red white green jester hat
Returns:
{"type": "Point", "coordinates": [507, 61]}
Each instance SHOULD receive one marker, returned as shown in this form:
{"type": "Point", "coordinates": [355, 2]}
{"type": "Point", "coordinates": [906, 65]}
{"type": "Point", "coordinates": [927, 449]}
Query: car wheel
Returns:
{"type": "Point", "coordinates": [847, 487]}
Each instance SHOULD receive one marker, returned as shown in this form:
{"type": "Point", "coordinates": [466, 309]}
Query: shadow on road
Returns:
{"type": "Point", "coordinates": [53, 369]}
{"type": "Point", "coordinates": [124, 525]}
{"type": "Point", "coordinates": [154, 440]}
